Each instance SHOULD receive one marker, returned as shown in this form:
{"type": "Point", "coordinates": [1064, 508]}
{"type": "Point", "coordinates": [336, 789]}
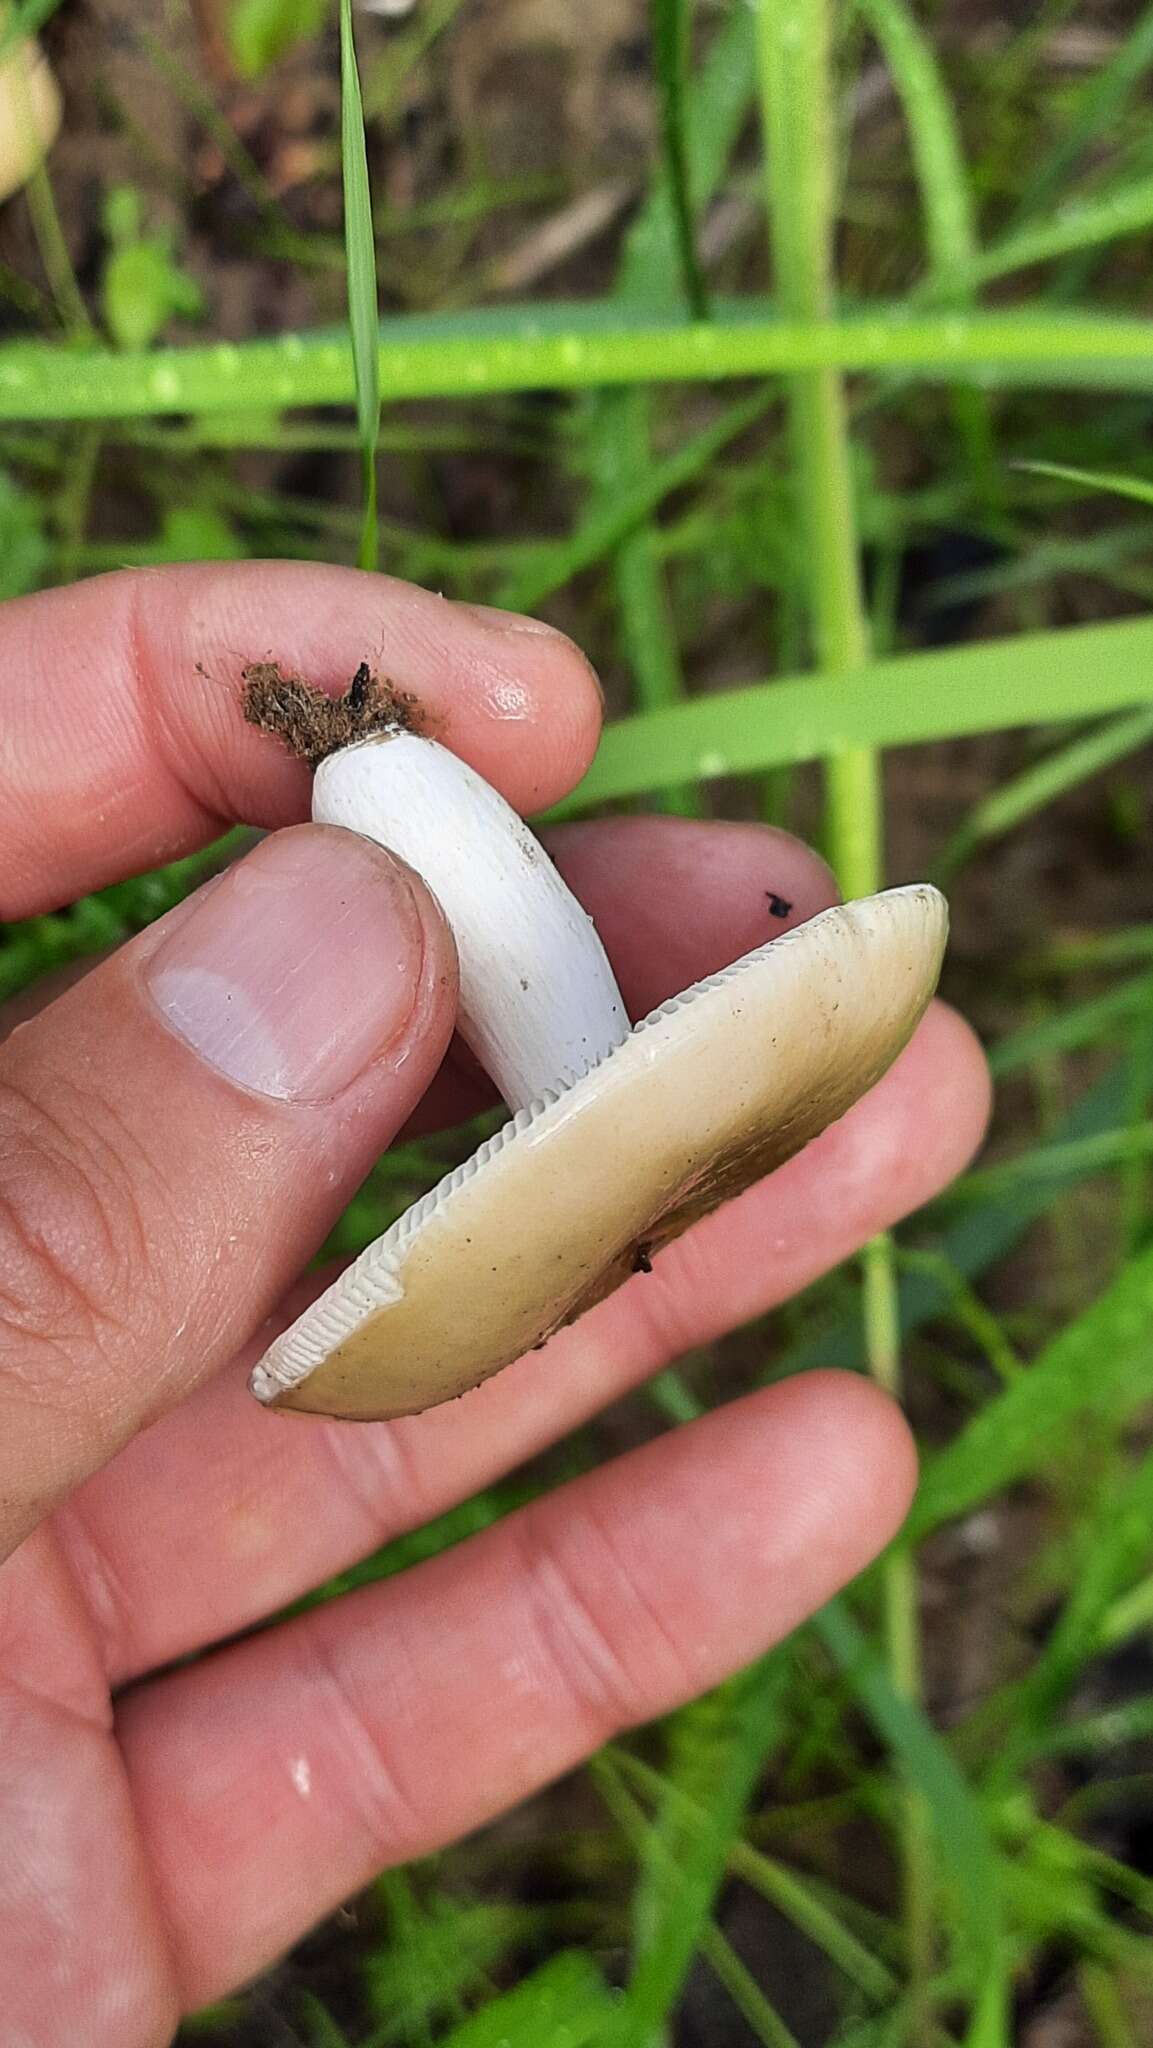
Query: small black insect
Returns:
{"type": "Point", "coordinates": [779, 906]}
{"type": "Point", "coordinates": [642, 1259]}
{"type": "Point", "coordinates": [359, 687]}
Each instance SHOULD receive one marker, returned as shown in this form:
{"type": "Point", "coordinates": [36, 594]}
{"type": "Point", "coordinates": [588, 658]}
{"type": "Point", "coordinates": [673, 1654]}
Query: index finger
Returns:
{"type": "Point", "coordinates": [122, 741]}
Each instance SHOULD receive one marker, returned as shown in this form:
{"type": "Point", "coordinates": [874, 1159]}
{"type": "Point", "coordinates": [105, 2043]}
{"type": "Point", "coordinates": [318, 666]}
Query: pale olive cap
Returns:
{"type": "Point", "coordinates": [580, 1190]}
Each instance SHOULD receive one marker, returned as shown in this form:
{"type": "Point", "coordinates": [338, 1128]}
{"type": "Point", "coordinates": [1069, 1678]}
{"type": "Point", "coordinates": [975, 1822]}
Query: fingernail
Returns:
{"type": "Point", "coordinates": [298, 968]}
{"type": "Point", "coordinates": [499, 621]}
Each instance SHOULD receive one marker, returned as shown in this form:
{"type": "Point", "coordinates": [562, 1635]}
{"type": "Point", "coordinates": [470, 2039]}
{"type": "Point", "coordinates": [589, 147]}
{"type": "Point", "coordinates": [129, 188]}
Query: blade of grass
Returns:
{"type": "Point", "coordinates": [1095, 111]}
{"type": "Point", "coordinates": [1083, 224]}
{"type": "Point", "coordinates": [967, 1851]}
{"type": "Point", "coordinates": [1100, 1365]}
{"type": "Point", "coordinates": [942, 177]}
{"type": "Point", "coordinates": [789, 1893]}
{"type": "Point", "coordinates": [572, 347]}
{"type": "Point", "coordinates": [796, 61]}
{"type": "Point", "coordinates": [966, 1309]}
{"type": "Point", "coordinates": [56, 258]}
{"type": "Point", "coordinates": [721, 96]}
{"type": "Point", "coordinates": [566, 2000]}
{"type": "Point", "coordinates": [323, 2031]}
{"type": "Point", "coordinates": [1071, 1027]}
{"type": "Point", "coordinates": [722, 1742]}
{"type": "Point", "coordinates": [1129, 1613]}
{"type": "Point", "coordinates": [1112, 1544]}
{"type": "Point", "coordinates": [1116, 481]}
{"type": "Point", "coordinates": [970, 1244]}
{"type": "Point", "coordinates": [946, 199]}
{"type": "Point", "coordinates": [627, 1813]}
{"type": "Point", "coordinates": [671, 22]}
{"type": "Point", "coordinates": [1102, 2000]}
{"type": "Point", "coordinates": [363, 306]}
{"type": "Point", "coordinates": [403, 52]}
{"type": "Point", "coordinates": [1127, 946]}
{"type": "Point", "coordinates": [612, 517]}
{"type": "Point", "coordinates": [200, 102]}
{"type": "Point", "coordinates": [1063, 769]}
{"type": "Point", "coordinates": [1064, 1162]}
{"type": "Point", "coordinates": [763, 2019]}
{"type": "Point", "coordinates": [909, 699]}
{"type": "Point", "coordinates": [619, 437]}
{"type": "Point", "coordinates": [647, 626]}
{"type": "Point", "coordinates": [1107, 554]}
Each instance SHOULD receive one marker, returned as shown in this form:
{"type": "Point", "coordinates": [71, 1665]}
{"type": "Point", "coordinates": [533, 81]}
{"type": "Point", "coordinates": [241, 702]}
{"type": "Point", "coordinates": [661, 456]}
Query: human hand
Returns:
{"type": "Point", "coordinates": [177, 1134]}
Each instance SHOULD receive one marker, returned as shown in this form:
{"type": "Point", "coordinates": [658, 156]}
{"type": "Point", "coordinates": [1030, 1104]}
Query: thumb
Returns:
{"type": "Point", "coordinates": [179, 1131]}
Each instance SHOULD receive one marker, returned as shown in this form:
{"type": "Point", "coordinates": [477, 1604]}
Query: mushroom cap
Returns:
{"type": "Point", "coordinates": [710, 1092]}
{"type": "Point", "coordinates": [29, 112]}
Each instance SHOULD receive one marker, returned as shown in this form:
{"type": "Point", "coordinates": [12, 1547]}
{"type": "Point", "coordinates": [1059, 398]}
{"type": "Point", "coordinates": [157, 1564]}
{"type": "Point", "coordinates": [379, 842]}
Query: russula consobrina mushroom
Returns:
{"type": "Point", "coordinates": [29, 109]}
{"type": "Point", "coordinates": [620, 1138]}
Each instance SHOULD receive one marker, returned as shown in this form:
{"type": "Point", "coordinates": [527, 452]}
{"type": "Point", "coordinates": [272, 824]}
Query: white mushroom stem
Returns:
{"type": "Point", "coordinates": [539, 1004]}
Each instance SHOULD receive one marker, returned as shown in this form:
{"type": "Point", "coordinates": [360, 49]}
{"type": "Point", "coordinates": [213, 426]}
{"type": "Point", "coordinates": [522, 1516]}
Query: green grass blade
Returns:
{"type": "Point", "coordinates": [1099, 1365]}
{"type": "Point", "coordinates": [1125, 946]}
{"type": "Point", "coordinates": [969, 1244]}
{"type": "Point", "coordinates": [566, 2000]}
{"type": "Point", "coordinates": [790, 1894]}
{"type": "Point", "coordinates": [1080, 1024]}
{"type": "Point", "coordinates": [1102, 1998]}
{"type": "Point", "coordinates": [947, 210]}
{"type": "Point", "coordinates": [259, 32]}
{"type": "Point", "coordinates": [967, 1854]}
{"type": "Point", "coordinates": [1106, 554]}
{"type": "Point", "coordinates": [1056, 1162]}
{"type": "Point", "coordinates": [722, 92]}
{"type": "Point", "coordinates": [908, 700]}
{"type": "Point", "coordinates": [1112, 1546]}
{"type": "Point", "coordinates": [1063, 769]}
{"type": "Point", "coordinates": [719, 1749]}
{"type": "Point", "coordinates": [619, 435]}
{"type": "Point", "coordinates": [1084, 224]}
{"type": "Point", "coordinates": [574, 347]}
{"type": "Point", "coordinates": [363, 304]}
{"type": "Point", "coordinates": [614, 514]}
{"type": "Point", "coordinates": [1114, 480]}
{"type": "Point", "coordinates": [761, 2017]}
{"type": "Point", "coordinates": [647, 626]}
{"type": "Point", "coordinates": [323, 2031]}
{"type": "Point", "coordinates": [1095, 112]}
{"type": "Point", "coordinates": [671, 33]}
{"type": "Point", "coordinates": [942, 176]}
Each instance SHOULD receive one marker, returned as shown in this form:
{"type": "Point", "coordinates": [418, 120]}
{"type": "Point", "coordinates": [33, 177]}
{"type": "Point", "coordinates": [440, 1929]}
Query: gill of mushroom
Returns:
{"type": "Point", "coordinates": [620, 1138]}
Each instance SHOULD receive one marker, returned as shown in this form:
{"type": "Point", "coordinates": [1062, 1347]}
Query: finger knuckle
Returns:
{"type": "Point", "coordinates": [600, 1631]}
{"type": "Point", "coordinates": [397, 1818]}
{"type": "Point", "coordinates": [73, 1269]}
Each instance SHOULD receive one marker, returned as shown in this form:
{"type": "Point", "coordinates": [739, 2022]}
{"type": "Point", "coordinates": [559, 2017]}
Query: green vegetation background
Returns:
{"type": "Point", "coordinates": [869, 418]}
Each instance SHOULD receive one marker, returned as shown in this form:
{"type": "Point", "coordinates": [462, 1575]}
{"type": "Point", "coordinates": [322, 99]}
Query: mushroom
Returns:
{"type": "Point", "coordinates": [29, 108]}
{"type": "Point", "coordinates": [620, 1137]}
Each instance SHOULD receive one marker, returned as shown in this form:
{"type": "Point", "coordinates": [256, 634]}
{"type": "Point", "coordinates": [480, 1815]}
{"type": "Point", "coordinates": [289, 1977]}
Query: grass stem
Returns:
{"type": "Point", "coordinates": [796, 72]}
